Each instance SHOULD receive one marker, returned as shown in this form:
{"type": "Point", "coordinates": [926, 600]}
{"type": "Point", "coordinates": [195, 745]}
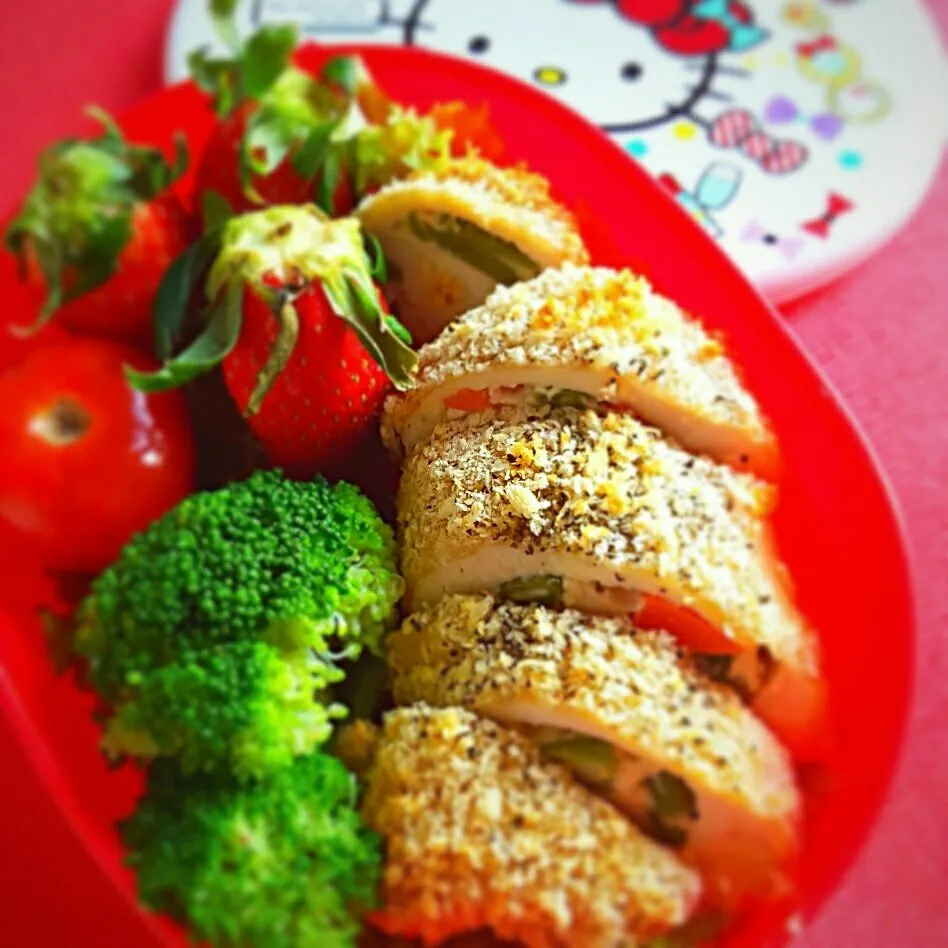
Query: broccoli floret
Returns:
{"type": "Point", "coordinates": [217, 633]}
{"type": "Point", "coordinates": [245, 706]}
{"type": "Point", "coordinates": [285, 863]}
{"type": "Point", "coordinates": [293, 564]}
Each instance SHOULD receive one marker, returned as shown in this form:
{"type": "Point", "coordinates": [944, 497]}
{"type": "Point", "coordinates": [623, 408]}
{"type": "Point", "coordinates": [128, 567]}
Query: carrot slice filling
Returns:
{"type": "Point", "coordinates": [695, 632]}
{"type": "Point", "coordinates": [469, 399]}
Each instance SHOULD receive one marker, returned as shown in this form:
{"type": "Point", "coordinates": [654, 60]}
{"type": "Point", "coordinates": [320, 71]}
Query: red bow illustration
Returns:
{"type": "Point", "coordinates": [836, 205]}
{"type": "Point", "coordinates": [822, 44]}
{"type": "Point", "coordinates": [677, 29]}
{"type": "Point", "coordinates": [738, 128]}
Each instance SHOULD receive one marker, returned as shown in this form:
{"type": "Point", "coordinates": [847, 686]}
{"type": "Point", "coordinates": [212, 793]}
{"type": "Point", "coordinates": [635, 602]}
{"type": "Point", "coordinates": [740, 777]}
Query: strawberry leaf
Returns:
{"type": "Point", "coordinates": [99, 259]}
{"type": "Point", "coordinates": [222, 16]}
{"type": "Point", "coordinates": [328, 180]}
{"type": "Point", "coordinates": [217, 77]}
{"type": "Point", "coordinates": [267, 140]}
{"type": "Point", "coordinates": [397, 329]}
{"type": "Point", "coordinates": [180, 163]}
{"type": "Point", "coordinates": [77, 218]}
{"type": "Point", "coordinates": [149, 172]}
{"type": "Point", "coordinates": [111, 133]}
{"type": "Point", "coordinates": [344, 72]}
{"type": "Point", "coordinates": [288, 332]}
{"type": "Point", "coordinates": [355, 300]}
{"type": "Point", "coordinates": [216, 210]}
{"type": "Point", "coordinates": [264, 58]}
{"type": "Point", "coordinates": [309, 157]}
{"type": "Point", "coordinates": [206, 352]}
{"type": "Point", "coordinates": [174, 292]}
{"type": "Point", "coordinates": [152, 173]}
{"type": "Point", "coordinates": [378, 266]}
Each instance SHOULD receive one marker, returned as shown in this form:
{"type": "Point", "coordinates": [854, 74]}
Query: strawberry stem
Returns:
{"type": "Point", "coordinates": [283, 346]}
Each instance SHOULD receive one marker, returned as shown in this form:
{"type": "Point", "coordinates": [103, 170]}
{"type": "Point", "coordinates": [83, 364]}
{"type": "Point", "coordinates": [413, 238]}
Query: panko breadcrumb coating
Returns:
{"type": "Point", "coordinates": [602, 488]}
{"type": "Point", "coordinates": [633, 689]}
{"type": "Point", "coordinates": [512, 203]}
{"type": "Point", "coordinates": [480, 832]}
{"type": "Point", "coordinates": [430, 285]}
{"type": "Point", "coordinates": [602, 332]}
{"type": "Point", "coordinates": [628, 522]}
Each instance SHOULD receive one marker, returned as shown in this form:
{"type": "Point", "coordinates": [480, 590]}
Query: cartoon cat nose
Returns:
{"type": "Point", "coordinates": [549, 75]}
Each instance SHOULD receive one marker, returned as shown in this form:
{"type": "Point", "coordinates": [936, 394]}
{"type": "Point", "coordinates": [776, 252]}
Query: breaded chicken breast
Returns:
{"type": "Point", "coordinates": [585, 336]}
{"type": "Point", "coordinates": [627, 712]}
{"type": "Point", "coordinates": [481, 832]}
{"type": "Point", "coordinates": [601, 513]}
{"type": "Point", "coordinates": [453, 234]}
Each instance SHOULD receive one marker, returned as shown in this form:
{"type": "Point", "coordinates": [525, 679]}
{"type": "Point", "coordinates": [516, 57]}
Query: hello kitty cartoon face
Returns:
{"type": "Point", "coordinates": [628, 65]}
{"type": "Point", "coordinates": [588, 55]}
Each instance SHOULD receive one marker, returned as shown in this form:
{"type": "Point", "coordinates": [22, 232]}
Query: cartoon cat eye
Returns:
{"type": "Point", "coordinates": [550, 75]}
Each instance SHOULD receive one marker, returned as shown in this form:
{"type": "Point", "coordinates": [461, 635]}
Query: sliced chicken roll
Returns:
{"type": "Point", "coordinates": [600, 513]}
{"type": "Point", "coordinates": [584, 336]}
{"type": "Point", "coordinates": [451, 235]}
{"type": "Point", "coordinates": [628, 714]}
{"type": "Point", "coordinates": [481, 832]}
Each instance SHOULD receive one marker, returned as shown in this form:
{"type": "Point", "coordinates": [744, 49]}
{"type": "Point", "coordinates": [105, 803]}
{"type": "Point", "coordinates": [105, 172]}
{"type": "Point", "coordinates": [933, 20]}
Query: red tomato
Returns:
{"type": "Point", "coordinates": [88, 461]}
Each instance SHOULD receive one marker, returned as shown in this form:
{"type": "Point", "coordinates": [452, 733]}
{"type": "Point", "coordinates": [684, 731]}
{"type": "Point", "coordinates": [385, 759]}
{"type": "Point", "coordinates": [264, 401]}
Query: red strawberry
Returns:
{"type": "Point", "coordinates": [327, 393]}
{"type": "Point", "coordinates": [298, 326]}
{"type": "Point", "coordinates": [281, 132]}
{"type": "Point", "coordinates": [221, 163]}
{"type": "Point", "coordinates": [292, 128]}
{"type": "Point", "coordinates": [97, 232]}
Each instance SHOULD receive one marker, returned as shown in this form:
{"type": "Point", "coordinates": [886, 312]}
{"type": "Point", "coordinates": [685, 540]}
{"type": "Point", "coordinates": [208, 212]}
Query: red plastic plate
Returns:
{"type": "Point", "coordinates": [836, 527]}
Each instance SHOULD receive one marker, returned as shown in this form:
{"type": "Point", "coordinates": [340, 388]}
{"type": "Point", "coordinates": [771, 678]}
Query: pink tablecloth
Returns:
{"type": "Point", "coordinates": [881, 334]}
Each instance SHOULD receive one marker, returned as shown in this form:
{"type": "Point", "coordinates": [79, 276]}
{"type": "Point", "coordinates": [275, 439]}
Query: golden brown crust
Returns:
{"type": "Point", "coordinates": [511, 203]}
{"type": "Point", "coordinates": [480, 832]}
{"type": "Point", "coordinates": [516, 185]}
{"type": "Point", "coordinates": [610, 494]}
{"type": "Point", "coordinates": [612, 327]}
{"type": "Point", "coordinates": [633, 685]}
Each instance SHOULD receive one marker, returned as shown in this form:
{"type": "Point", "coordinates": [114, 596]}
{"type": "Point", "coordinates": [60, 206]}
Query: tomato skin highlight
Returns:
{"type": "Point", "coordinates": [87, 460]}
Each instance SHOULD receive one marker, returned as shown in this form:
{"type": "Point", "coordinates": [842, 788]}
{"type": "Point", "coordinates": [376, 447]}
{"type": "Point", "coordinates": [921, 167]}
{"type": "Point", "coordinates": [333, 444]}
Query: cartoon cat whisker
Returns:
{"type": "Point", "coordinates": [673, 109]}
{"type": "Point", "coordinates": [402, 24]}
{"type": "Point", "coordinates": [720, 68]}
{"type": "Point", "coordinates": [703, 90]}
